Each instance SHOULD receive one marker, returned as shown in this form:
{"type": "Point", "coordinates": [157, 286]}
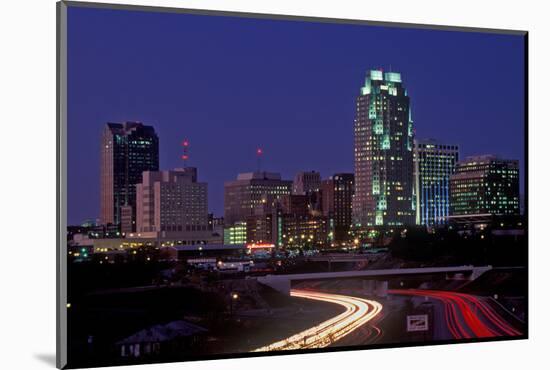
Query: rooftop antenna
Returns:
{"type": "Point", "coordinates": [259, 153]}
{"type": "Point", "coordinates": [185, 156]}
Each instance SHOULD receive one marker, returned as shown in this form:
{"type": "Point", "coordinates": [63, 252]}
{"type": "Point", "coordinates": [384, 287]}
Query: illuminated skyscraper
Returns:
{"type": "Point", "coordinates": [383, 153]}
{"type": "Point", "coordinates": [434, 163]}
{"type": "Point", "coordinates": [485, 185]}
{"type": "Point", "coordinates": [127, 149]}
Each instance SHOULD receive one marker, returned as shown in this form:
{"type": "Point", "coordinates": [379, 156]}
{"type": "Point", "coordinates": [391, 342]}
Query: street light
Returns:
{"type": "Point", "coordinates": [234, 297]}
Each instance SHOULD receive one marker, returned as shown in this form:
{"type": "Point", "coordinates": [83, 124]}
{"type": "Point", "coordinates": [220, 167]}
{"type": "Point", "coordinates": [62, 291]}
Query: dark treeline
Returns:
{"type": "Point", "coordinates": [449, 247]}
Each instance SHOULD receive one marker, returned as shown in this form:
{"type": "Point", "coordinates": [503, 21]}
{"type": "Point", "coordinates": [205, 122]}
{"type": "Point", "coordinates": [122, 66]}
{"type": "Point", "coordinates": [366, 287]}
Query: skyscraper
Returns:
{"type": "Point", "coordinates": [383, 142]}
{"type": "Point", "coordinates": [337, 194]}
{"type": "Point", "coordinates": [434, 163]}
{"type": "Point", "coordinates": [306, 183]}
{"type": "Point", "coordinates": [171, 201]}
{"type": "Point", "coordinates": [242, 196]}
{"type": "Point", "coordinates": [127, 149]}
{"type": "Point", "coordinates": [485, 185]}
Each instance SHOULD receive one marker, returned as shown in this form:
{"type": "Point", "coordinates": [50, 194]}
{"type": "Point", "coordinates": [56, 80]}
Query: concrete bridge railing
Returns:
{"type": "Point", "coordinates": [282, 283]}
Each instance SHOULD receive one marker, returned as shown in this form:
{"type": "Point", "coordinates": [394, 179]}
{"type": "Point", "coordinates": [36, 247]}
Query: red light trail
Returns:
{"type": "Point", "coordinates": [466, 316]}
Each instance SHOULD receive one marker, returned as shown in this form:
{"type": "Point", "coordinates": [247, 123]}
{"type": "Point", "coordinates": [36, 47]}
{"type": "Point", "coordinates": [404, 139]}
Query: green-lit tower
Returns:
{"type": "Point", "coordinates": [383, 143]}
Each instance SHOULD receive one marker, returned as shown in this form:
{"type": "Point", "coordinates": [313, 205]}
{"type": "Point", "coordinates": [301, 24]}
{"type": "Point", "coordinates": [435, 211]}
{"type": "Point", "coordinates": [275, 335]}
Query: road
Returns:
{"type": "Point", "coordinates": [466, 316]}
{"type": "Point", "coordinates": [358, 311]}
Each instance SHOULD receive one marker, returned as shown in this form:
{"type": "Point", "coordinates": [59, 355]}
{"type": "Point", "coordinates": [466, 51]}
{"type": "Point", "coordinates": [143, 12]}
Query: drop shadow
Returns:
{"type": "Point", "coordinates": [46, 358]}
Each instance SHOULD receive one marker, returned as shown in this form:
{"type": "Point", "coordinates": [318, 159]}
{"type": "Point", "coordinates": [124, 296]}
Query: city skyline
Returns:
{"type": "Point", "coordinates": [322, 137]}
{"type": "Point", "coordinates": [238, 185]}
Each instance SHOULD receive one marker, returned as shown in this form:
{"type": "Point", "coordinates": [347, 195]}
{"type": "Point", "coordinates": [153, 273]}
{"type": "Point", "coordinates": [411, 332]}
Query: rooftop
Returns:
{"type": "Point", "coordinates": [164, 333]}
{"type": "Point", "coordinates": [207, 247]}
{"type": "Point", "coordinates": [259, 176]}
{"type": "Point", "coordinates": [484, 159]}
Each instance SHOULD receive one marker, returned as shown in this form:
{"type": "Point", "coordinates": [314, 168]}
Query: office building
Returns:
{"type": "Point", "coordinates": [295, 204]}
{"type": "Point", "coordinates": [127, 149]}
{"type": "Point", "coordinates": [172, 201]}
{"type": "Point", "coordinates": [485, 185]}
{"type": "Point", "coordinates": [243, 195]}
{"type": "Point", "coordinates": [383, 153]}
{"type": "Point", "coordinates": [337, 195]}
{"type": "Point", "coordinates": [262, 229]}
{"type": "Point", "coordinates": [235, 234]}
{"type": "Point", "coordinates": [434, 163]}
{"type": "Point", "coordinates": [264, 226]}
{"type": "Point", "coordinates": [306, 183]}
{"type": "Point", "coordinates": [305, 231]}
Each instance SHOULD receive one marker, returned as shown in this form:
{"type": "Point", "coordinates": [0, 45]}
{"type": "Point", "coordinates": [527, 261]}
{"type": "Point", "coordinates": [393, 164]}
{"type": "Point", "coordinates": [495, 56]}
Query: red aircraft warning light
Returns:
{"type": "Point", "coordinates": [185, 156]}
{"type": "Point", "coordinates": [259, 153]}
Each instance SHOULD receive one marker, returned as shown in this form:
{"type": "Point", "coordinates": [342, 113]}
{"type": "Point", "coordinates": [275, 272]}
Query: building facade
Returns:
{"type": "Point", "coordinates": [235, 234]}
{"type": "Point", "coordinates": [337, 196]}
{"type": "Point", "coordinates": [383, 145]}
{"type": "Point", "coordinates": [485, 185]}
{"type": "Point", "coordinates": [434, 163]}
{"type": "Point", "coordinates": [263, 229]}
{"type": "Point", "coordinates": [264, 226]}
{"type": "Point", "coordinates": [127, 149]}
{"type": "Point", "coordinates": [242, 196]}
{"type": "Point", "coordinates": [172, 201]}
{"type": "Point", "coordinates": [295, 204]}
{"type": "Point", "coordinates": [305, 231]}
{"type": "Point", "coordinates": [306, 183]}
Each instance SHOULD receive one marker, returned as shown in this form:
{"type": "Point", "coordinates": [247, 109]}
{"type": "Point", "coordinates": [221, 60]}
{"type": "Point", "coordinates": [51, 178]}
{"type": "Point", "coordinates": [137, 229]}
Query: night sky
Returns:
{"type": "Point", "coordinates": [231, 85]}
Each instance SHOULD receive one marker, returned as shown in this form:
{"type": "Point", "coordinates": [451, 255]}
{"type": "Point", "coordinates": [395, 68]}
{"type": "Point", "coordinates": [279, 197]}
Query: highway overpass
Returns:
{"type": "Point", "coordinates": [282, 283]}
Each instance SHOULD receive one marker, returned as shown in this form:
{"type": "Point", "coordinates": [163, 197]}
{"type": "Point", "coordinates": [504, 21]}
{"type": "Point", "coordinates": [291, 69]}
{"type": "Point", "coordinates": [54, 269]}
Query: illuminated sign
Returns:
{"type": "Point", "coordinates": [260, 246]}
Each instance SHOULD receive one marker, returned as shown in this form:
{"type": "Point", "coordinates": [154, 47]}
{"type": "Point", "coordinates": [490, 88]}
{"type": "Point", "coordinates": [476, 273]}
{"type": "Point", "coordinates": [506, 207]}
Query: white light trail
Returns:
{"type": "Point", "coordinates": [358, 312]}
